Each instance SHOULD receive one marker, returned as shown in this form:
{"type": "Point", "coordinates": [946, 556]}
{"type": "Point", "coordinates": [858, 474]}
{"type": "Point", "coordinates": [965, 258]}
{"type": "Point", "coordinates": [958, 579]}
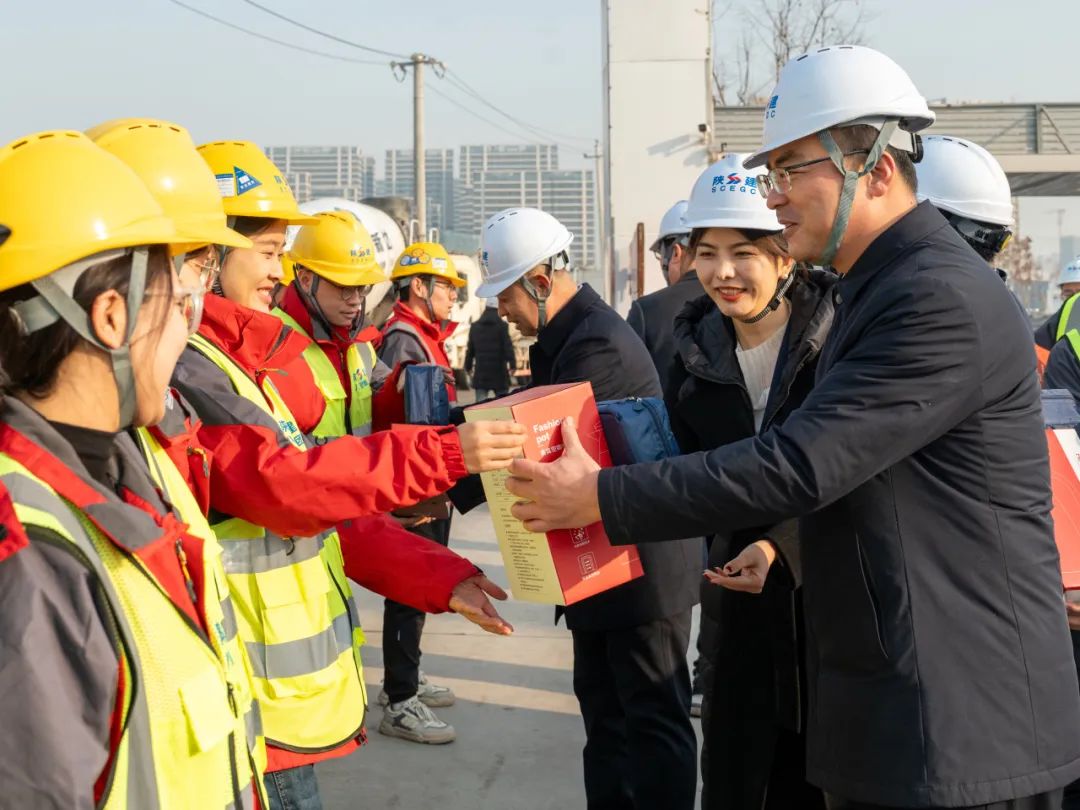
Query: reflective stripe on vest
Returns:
{"type": "Point", "coordinates": [409, 329]}
{"type": "Point", "coordinates": [294, 610]}
{"type": "Point", "coordinates": [360, 362]}
{"type": "Point", "coordinates": [219, 613]}
{"type": "Point", "coordinates": [1074, 340]}
{"type": "Point", "coordinates": [136, 779]}
{"type": "Point", "coordinates": [1070, 318]}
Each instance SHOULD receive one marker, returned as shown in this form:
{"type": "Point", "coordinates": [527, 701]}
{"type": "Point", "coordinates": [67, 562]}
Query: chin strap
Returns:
{"type": "Point", "coordinates": [54, 303]}
{"type": "Point", "coordinates": [782, 286]}
{"type": "Point", "coordinates": [851, 178]}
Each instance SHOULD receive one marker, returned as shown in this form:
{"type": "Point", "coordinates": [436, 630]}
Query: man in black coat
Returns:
{"type": "Point", "coordinates": [630, 643]}
{"type": "Point", "coordinates": [939, 664]}
{"type": "Point", "coordinates": [489, 356]}
{"type": "Point", "coordinates": [652, 316]}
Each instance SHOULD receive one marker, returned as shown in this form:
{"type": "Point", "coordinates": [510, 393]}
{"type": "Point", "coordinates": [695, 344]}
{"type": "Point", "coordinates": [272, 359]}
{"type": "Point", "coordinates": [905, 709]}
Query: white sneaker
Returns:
{"type": "Point", "coordinates": [431, 695]}
{"type": "Point", "coordinates": [412, 720]}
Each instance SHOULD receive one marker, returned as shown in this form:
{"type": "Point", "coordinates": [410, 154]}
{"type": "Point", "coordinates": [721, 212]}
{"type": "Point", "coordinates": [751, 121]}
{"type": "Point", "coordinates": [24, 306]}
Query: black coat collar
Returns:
{"type": "Point", "coordinates": [555, 333]}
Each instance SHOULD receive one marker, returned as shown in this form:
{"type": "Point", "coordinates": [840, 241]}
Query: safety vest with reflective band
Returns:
{"type": "Point", "coordinates": [337, 419]}
{"type": "Point", "coordinates": [179, 730]}
{"type": "Point", "coordinates": [217, 610]}
{"type": "Point", "coordinates": [295, 610]}
{"type": "Point", "coordinates": [1069, 318]}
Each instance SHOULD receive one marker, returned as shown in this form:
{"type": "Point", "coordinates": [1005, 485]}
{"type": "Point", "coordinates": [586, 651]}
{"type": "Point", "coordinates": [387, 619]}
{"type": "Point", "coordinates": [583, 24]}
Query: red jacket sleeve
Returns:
{"type": "Point", "coordinates": [388, 404]}
{"type": "Point", "coordinates": [259, 476]}
{"type": "Point", "coordinates": [386, 558]}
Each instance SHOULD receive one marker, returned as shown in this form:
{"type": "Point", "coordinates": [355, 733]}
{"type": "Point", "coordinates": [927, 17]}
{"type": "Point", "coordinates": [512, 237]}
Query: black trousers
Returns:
{"type": "Point", "coordinates": [1043, 801]}
{"type": "Point", "coordinates": [633, 686]}
{"type": "Point", "coordinates": [402, 628]}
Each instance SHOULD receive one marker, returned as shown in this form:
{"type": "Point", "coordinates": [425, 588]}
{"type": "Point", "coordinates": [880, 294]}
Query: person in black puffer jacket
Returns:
{"type": "Point", "coordinates": [489, 357]}
{"type": "Point", "coordinates": [745, 358]}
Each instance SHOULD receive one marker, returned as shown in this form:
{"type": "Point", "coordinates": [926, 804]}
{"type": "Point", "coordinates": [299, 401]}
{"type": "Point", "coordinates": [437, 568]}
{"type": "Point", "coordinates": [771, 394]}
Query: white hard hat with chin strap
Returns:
{"type": "Point", "coordinates": [843, 86]}
{"type": "Point", "coordinates": [725, 196]}
{"type": "Point", "coordinates": [515, 241]}
{"type": "Point", "coordinates": [55, 302]}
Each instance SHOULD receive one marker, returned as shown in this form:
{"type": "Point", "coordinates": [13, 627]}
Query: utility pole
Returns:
{"type": "Point", "coordinates": [417, 62]}
{"type": "Point", "coordinates": [602, 252]}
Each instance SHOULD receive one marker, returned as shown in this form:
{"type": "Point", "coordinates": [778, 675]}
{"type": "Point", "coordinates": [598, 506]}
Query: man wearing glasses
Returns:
{"type": "Point", "coordinates": [939, 665]}
{"type": "Point", "coordinates": [427, 288]}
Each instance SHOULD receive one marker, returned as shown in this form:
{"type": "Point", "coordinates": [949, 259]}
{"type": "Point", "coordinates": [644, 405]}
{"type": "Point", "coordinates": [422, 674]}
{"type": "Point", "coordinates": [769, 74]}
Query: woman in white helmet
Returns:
{"type": "Point", "coordinates": [747, 350]}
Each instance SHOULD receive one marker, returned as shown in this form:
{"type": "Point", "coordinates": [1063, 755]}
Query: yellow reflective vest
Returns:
{"type": "Point", "coordinates": [295, 609]}
{"type": "Point", "coordinates": [340, 419]}
{"type": "Point", "coordinates": [184, 742]}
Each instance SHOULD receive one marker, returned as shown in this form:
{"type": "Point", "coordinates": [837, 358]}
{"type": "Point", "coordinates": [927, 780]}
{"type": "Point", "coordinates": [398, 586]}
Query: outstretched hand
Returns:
{"type": "Point", "coordinates": [748, 571]}
{"type": "Point", "coordinates": [470, 600]}
{"type": "Point", "coordinates": [561, 494]}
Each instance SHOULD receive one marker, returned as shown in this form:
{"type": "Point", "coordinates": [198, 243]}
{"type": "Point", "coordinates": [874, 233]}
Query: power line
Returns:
{"type": "Point", "coordinates": [316, 31]}
{"type": "Point", "coordinates": [466, 87]}
{"type": "Point", "coordinates": [472, 112]}
{"type": "Point", "coordinates": [295, 47]}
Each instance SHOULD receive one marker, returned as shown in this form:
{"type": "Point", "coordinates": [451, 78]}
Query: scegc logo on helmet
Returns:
{"type": "Point", "coordinates": [731, 183]}
{"type": "Point", "coordinates": [770, 108]}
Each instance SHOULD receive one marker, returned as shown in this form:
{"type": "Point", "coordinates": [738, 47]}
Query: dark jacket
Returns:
{"type": "Point", "coordinates": [939, 664]}
{"type": "Point", "coordinates": [756, 660]}
{"type": "Point", "coordinates": [587, 340]}
{"type": "Point", "coordinates": [489, 357]}
{"type": "Point", "coordinates": [1063, 369]}
{"type": "Point", "coordinates": [653, 318]}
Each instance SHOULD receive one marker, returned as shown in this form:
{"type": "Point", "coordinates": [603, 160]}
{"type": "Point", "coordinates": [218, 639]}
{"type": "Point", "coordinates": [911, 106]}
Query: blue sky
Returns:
{"type": "Point", "coordinates": [72, 63]}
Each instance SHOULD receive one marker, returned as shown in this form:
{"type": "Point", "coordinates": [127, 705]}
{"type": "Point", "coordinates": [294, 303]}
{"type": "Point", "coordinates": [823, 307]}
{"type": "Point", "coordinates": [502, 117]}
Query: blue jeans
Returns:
{"type": "Point", "coordinates": [293, 789]}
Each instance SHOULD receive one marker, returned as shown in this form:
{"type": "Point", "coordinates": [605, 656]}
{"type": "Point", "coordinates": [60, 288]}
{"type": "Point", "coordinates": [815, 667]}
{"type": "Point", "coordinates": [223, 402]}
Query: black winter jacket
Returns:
{"type": "Point", "coordinates": [653, 318]}
{"type": "Point", "coordinates": [489, 357]}
{"type": "Point", "coordinates": [757, 671]}
{"type": "Point", "coordinates": [939, 662]}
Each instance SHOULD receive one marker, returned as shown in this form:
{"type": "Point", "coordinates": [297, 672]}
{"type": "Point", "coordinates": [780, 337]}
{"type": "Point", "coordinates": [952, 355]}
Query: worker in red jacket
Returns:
{"type": "Point", "coordinates": [426, 284]}
{"type": "Point", "coordinates": [276, 489]}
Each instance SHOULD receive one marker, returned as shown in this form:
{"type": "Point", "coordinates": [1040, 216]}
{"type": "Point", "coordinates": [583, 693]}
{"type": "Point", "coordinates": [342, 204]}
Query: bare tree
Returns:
{"type": "Point", "coordinates": [774, 31]}
{"type": "Point", "coordinates": [1019, 262]}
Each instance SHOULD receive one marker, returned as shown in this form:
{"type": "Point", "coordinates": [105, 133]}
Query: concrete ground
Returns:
{"type": "Point", "coordinates": [519, 730]}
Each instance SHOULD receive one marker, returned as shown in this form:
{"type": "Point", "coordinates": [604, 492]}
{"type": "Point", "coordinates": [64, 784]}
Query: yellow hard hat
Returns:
{"type": "Point", "coordinates": [288, 270]}
{"type": "Point", "coordinates": [64, 199]}
{"type": "Point", "coordinates": [164, 157]}
{"type": "Point", "coordinates": [249, 184]}
{"type": "Point", "coordinates": [338, 248]}
{"type": "Point", "coordinates": [426, 259]}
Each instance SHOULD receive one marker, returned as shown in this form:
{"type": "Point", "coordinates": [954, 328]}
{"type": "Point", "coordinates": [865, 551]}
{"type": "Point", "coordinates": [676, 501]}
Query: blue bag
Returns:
{"type": "Point", "coordinates": [426, 399]}
{"type": "Point", "coordinates": [637, 430]}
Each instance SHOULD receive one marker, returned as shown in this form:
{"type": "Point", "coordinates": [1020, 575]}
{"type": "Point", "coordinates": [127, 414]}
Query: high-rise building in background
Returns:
{"type": "Point", "coordinates": [333, 171]}
{"type": "Point", "coordinates": [475, 160]}
{"type": "Point", "coordinates": [569, 195]}
{"type": "Point", "coordinates": [398, 180]}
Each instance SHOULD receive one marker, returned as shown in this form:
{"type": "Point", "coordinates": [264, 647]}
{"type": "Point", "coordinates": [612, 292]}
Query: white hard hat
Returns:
{"type": "Point", "coordinates": [1070, 274]}
{"type": "Point", "coordinates": [515, 241]}
{"type": "Point", "coordinates": [725, 196]}
{"type": "Point", "coordinates": [491, 303]}
{"type": "Point", "coordinates": [840, 85]}
{"type": "Point", "coordinates": [962, 178]}
{"type": "Point", "coordinates": [671, 224]}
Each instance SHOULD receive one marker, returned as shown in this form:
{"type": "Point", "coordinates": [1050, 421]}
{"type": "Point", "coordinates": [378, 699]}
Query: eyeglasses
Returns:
{"type": "Point", "coordinates": [779, 179]}
{"type": "Point", "coordinates": [209, 269]}
{"type": "Point", "coordinates": [189, 301]}
{"type": "Point", "coordinates": [667, 248]}
{"type": "Point", "coordinates": [348, 292]}
{"type": "Point", "coordinates": [444, 284]}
